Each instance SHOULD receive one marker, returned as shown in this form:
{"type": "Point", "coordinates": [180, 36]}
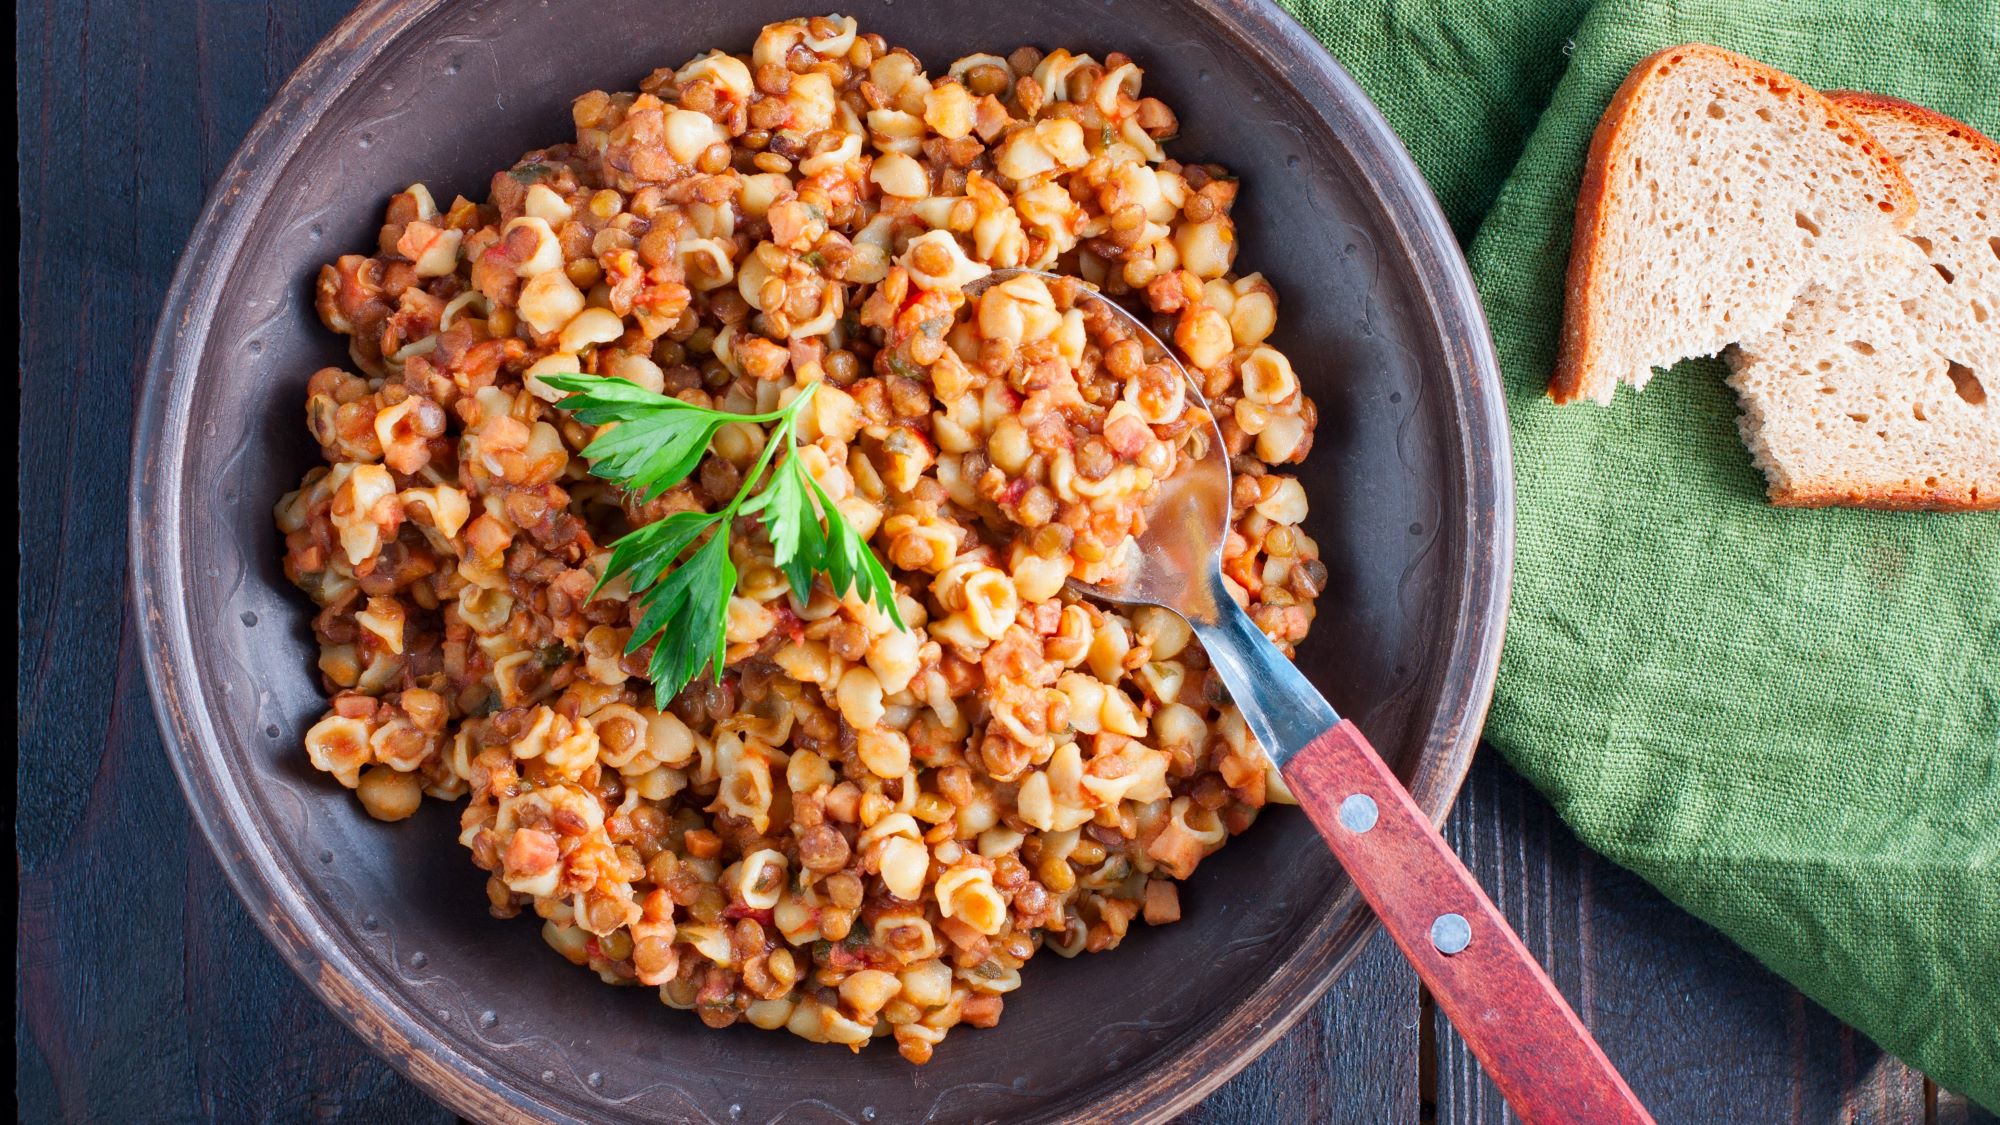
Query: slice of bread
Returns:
{"type": "Point", "coordinates": [1884, 391]}
{"type": "Point", "coordinates": [1717, 189]}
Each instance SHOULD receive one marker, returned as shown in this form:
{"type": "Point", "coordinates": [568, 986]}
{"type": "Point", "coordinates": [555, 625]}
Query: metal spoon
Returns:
{"type": "Point", "coordinates": [1499, 999]}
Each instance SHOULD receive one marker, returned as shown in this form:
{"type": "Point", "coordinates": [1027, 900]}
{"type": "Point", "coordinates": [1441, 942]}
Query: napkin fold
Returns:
{"type": "Point", "coordinates": [1786, 720]}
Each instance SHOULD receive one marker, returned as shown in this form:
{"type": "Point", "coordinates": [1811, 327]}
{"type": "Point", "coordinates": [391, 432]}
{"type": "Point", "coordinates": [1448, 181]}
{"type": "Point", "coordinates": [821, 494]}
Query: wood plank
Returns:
{"type": "Point", "coordinates": [1947, 1108]}
{"type": "Point", "coordinates": [1700, 1029]}
{"type": "Point", "coordinates": [188, 1014]}
{"type": "Point", "coordinates": [1354, 1057]}
{"type": "Point", "coordinates": [143, 991]}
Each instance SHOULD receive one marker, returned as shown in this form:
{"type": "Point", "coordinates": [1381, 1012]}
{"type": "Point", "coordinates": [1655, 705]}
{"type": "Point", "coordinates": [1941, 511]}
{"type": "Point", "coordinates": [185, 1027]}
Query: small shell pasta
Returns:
{"type": "Point", "coordinates": [842, 829]}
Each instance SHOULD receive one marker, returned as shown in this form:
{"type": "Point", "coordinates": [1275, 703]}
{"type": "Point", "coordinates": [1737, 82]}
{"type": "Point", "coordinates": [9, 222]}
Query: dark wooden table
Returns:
{"type": "Point", "coordinates": [144, 992]}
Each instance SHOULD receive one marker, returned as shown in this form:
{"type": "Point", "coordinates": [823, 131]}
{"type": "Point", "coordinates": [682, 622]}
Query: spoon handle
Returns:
{"type": "Point", "coordinates": [1504, 1006]}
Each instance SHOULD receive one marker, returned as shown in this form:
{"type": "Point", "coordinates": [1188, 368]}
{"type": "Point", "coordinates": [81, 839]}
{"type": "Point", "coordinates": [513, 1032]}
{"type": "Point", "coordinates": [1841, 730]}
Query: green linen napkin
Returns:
{"type": "Point", "coordinates": [1788, 721]}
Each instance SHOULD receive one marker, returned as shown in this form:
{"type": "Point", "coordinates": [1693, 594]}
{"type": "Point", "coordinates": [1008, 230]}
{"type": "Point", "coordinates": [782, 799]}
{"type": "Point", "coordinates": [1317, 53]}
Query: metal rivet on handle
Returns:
{"type": "Point", "coordinates": [1357, 813]}
{"type": "Point", "coordinates": [1451, 933]}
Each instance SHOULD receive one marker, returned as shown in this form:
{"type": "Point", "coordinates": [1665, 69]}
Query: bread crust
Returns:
{"type": "Point", "coordinates": [1914, 114]}
{"type": "Point", "coordinates": [1906, 495]}
{"type": "Point", "coordinates": [1576, 375]}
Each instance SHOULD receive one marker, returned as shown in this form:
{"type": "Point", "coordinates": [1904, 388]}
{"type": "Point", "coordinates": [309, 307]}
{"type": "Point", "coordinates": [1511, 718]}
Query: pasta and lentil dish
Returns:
{"type": "Point", "coordinates": [853, 824]}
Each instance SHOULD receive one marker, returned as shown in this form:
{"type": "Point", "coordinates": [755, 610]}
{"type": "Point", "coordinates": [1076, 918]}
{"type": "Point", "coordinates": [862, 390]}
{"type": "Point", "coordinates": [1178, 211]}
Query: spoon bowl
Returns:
{"type": "Point", "coordinates": [1176, 561]}
{"type": "Point", "coordinates": [1502, 1003]}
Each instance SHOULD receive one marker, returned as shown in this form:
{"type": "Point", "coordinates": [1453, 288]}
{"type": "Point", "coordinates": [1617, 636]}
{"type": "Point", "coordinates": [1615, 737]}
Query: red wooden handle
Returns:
{"type": "Point", "coordinates": [1502, 1003]}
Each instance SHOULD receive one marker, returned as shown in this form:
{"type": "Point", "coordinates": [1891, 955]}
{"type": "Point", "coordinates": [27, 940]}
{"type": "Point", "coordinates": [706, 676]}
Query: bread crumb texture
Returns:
{"type": "Point", "coordinates": [1717, 190]}
{"type": "Point", "coordinates": [1882, 388]}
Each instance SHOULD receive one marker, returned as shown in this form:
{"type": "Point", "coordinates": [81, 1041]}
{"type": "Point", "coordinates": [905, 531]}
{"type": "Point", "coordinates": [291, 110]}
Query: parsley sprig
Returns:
{"type": "Point", "coordinates": [656, 443]}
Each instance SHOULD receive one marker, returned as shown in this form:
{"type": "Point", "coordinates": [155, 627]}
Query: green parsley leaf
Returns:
{"type": "Point", "coordinates": [657, 441]}
{"type": "Point", "coordinates": [652, 443]}
{"type": "Point", "coordinates": [796, 538]}
{"type": "Point", "coordinates": [688, 612]}
{"type": "Point", "coordinates": [645, 554]}
{"type": "Point", "coordinates": [847, 561]}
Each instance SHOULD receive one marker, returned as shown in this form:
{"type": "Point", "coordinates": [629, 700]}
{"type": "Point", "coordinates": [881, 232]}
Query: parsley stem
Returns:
{"type": "Point", "coordinates": [782, 435]}
{"type": "Point", "coordinates": [655, 444]}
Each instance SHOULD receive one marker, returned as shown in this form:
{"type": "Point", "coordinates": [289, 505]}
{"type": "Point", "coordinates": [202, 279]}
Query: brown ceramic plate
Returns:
{"type": "Point", "coordinates": [1410, 487]}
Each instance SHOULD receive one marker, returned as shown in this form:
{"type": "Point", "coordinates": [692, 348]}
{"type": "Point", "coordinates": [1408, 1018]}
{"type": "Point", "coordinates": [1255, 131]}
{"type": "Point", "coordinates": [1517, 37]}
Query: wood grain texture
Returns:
{"type": "Point", "coordinates": [143, 991]}
{"type": "Point", "coordinates": [1947, 1108]}
{"type": "Point", "coordinates": [1354, 1057]}
{"type": "Point", "coordinates": [1702, 1031]}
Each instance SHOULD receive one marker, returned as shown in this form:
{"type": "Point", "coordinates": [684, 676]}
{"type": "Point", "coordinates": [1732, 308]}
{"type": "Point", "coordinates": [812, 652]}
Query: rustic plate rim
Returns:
{"type": "Point", "coordinates": [441, 1065]}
